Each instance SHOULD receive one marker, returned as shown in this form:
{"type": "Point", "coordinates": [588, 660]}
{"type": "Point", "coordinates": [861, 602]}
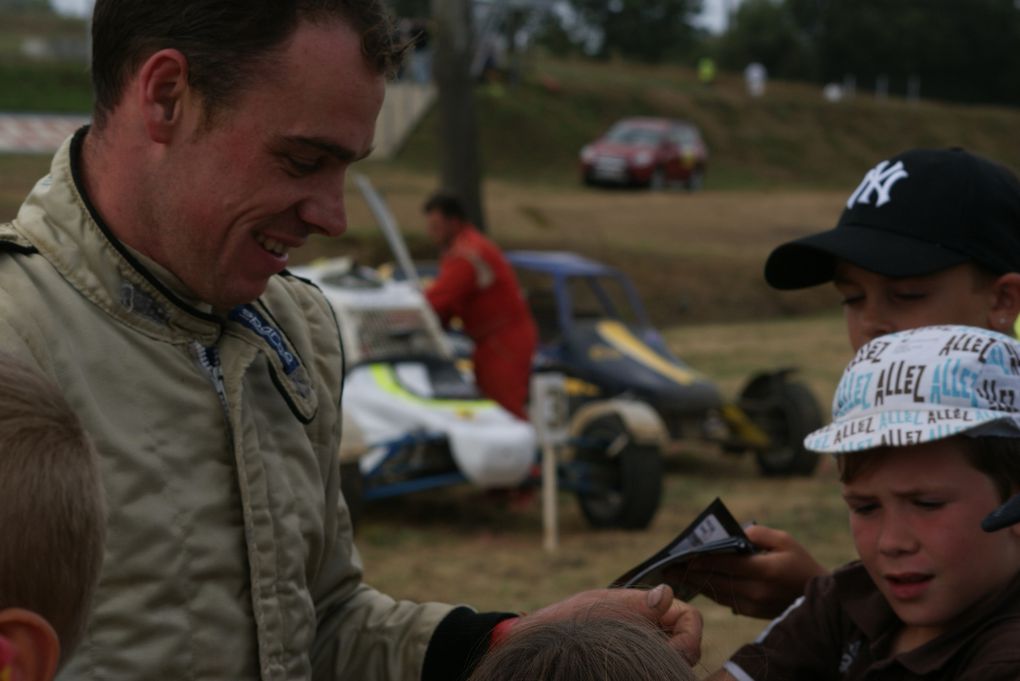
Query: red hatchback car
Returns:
{"type": "Point", "coordinates": [651, 152]}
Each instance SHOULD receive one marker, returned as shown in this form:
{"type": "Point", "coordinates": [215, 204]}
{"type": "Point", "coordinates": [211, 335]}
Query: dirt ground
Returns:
{"type": "Point", "coordinates": [694, 257]}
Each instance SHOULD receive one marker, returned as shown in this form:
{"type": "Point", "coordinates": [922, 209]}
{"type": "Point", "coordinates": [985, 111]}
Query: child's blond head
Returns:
{"type": "Point", "coordinates": [52, 513]}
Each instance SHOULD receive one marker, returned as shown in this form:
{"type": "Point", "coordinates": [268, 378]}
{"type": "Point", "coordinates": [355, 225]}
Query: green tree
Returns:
{"type": "Point", "coordinates": [459, 154]}
{"type": "Point", "coordinates": [965, 51]}
{"type": "Point", "coordinates": [646, 30]}
{"type": "Point", "coordinates": [766, 31]}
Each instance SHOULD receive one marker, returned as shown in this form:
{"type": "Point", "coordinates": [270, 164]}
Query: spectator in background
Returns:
{"type": "Point", "coordinates": [706, 70]}
{"type": "Point", "coordinates": [755, 77]}
{"type": "Point", "coordinates": [477, 285]}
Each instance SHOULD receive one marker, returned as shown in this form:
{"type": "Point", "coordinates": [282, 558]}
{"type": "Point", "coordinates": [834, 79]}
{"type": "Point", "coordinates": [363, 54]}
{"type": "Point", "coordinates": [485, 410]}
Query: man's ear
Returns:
{"type": "Point", "coordinates": [35, 644]}
{"type": "Point", "coordinates": [162, 88]}
{"type": "Point", "coordinates": [1006, 303]}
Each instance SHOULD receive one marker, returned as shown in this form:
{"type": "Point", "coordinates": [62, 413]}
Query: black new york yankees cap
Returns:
{"type": "Point", "coordinates": [914, 214]}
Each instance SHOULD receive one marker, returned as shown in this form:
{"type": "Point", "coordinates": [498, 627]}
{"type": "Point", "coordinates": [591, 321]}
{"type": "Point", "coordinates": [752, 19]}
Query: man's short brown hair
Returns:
{"type": "Point", "coordinates": [447, 204]}
{"type": "Point", "coordinates": [227, 42]}
{"type": "Point", "coordinates": [52, 513]}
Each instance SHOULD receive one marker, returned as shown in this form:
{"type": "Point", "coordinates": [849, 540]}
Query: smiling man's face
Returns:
{"type": "Point", "coordinates": [269, 172]}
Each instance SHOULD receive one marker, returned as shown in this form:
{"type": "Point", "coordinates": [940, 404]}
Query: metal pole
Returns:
{"type": "Point", "coordinates": [548, 411]}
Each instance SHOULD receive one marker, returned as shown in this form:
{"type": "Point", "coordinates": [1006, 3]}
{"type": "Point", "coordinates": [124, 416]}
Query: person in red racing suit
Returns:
{"type": "Point", "coordinates": [477, 285]}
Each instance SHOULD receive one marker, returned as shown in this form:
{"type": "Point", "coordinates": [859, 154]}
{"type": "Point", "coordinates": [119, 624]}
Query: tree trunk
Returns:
{"type": "Point", "coordinates": [460, 167]}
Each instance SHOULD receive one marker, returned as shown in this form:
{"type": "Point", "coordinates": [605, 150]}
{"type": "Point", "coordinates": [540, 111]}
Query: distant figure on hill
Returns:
{"type": "Point", "coordinates": [706, 70]}
{"type": "Point", "coordinates": [755, 76]}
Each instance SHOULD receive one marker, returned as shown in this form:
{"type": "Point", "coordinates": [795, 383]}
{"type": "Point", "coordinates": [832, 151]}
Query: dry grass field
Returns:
{"type": "Point", "coordinates": [697, 259]}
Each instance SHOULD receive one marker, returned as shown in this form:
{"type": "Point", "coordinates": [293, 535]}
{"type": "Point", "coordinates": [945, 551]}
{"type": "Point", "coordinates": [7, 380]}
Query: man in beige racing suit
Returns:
{"type": "Point", "coordinates": [146, 275]}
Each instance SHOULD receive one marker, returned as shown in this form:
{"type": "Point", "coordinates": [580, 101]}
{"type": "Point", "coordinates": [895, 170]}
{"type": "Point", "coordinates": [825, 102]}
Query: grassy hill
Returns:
{"type": "Point", "coordinates": [532, 131]}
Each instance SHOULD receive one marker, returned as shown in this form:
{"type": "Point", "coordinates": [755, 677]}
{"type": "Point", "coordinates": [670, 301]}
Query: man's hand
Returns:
{"type": "Point", "coordinates": [679, 620]}
{"type": "Point", "coordinates": [759, 585]}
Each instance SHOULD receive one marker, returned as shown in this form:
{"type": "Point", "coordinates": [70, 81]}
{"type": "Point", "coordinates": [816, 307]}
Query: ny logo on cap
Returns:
{"type": "Point", "coordinates": [880, 180]}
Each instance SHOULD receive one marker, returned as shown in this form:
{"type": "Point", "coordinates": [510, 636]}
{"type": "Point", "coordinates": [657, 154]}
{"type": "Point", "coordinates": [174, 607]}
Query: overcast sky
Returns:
{"type": "Point", "coordinates": [714, 15]}
{"type": "Point", "coordinates": [75, 7]}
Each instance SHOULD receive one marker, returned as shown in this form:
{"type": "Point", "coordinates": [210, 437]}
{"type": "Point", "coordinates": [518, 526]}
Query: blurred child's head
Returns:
{"type": "Point", "coordinates": [52, 524]}
{"type": "Point", "coordinates": [928, 237]}
{"type": "Point", "coordinates": [597, 646]}
{"type": "Point", "coordinates": [925, 426]}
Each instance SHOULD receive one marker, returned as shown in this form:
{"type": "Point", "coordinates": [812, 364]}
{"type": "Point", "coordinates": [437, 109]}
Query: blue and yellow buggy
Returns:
{"type": "Point", "coordinates": [594, 328]}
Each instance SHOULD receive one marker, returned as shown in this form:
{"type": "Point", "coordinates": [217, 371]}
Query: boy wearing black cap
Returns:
{"type": "Point", "coordinates": [926, 434]}
{"type": "Point", "coordinates": [927, 237]}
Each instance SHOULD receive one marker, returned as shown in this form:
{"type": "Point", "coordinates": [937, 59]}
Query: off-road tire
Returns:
{"type": "Point", "coordinates": [793, 413]}
{"type": "Point", "coordinates": [627, 485]}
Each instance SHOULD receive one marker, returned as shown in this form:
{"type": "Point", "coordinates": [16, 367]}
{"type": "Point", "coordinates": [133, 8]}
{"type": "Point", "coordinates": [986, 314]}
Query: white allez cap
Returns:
{"type": "Point", "coordinates": [922, 385]}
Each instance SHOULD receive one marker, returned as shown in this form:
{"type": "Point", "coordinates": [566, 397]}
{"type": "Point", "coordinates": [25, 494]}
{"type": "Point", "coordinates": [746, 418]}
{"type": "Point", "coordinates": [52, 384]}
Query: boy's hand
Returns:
{"type": "Point", "coordinates": [763, 584]}
{"type": "Point", "coordinates": [682, 622]}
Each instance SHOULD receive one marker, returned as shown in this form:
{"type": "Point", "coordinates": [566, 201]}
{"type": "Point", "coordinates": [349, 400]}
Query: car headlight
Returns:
{"type": "Point", "coordinates": [587, 154]}
{"type": "Point", "coordinates": [643, 158]}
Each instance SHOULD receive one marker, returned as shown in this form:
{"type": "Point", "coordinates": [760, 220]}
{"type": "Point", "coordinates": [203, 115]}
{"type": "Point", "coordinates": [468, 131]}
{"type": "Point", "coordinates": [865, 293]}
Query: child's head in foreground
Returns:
{"type": "Point", "coordinates": [928, 237]}
{"type": "Point", "coordinates": [52, 524]}
{"type": "Point", "coordinates": [599, 646]}
{"type": "Point", "coordinates": [925, 427]}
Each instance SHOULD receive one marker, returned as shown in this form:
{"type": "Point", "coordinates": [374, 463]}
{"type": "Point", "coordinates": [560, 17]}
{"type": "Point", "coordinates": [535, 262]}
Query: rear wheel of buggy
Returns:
{"type": "Point", "coordinates": [787, 411]}
{"type": "Point", "coordinates": [624, 479]}
{"type": "Point", "coordinates": [351, 486]}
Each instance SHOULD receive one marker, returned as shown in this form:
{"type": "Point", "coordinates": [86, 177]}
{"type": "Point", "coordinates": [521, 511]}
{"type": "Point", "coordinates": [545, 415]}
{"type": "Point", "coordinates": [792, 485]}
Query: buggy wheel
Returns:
{"type": "Point", "coordinates": [787, 411]}
{"type": "Point", "coordinates": [622, 490]}
{"type": "Point", "coordinates": [351, 486]}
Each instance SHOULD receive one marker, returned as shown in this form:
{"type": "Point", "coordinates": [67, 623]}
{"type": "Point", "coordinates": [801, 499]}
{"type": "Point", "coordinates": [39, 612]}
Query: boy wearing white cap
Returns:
{"type": "Point", "coordinates": [926, 431]}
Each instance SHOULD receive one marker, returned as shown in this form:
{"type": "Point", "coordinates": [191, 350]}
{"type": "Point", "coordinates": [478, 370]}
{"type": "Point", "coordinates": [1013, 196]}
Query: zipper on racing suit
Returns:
{"type": "Point", "coordinates": [209, 359]}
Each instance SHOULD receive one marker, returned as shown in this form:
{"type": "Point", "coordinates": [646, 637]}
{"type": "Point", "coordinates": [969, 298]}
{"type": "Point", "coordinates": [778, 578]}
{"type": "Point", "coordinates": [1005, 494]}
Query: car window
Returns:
{"type": "Point", "coordinates": [538, 291]}
{"type": "Point", "coordinates": [601, 298]}
{"type": "Point", "coordinates": [630, 134]}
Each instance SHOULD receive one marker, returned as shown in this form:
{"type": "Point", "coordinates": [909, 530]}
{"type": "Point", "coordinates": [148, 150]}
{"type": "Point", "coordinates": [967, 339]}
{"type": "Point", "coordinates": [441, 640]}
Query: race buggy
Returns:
{"type": "Point", "coordinates": [414, 421]}
{"type": "Point", "coordinates": [594, 328]}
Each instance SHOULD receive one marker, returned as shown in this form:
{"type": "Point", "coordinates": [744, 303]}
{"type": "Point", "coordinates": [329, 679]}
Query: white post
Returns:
{"type": "Point", "coordinates": [548, 407]}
